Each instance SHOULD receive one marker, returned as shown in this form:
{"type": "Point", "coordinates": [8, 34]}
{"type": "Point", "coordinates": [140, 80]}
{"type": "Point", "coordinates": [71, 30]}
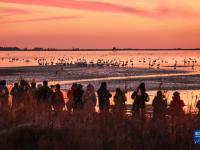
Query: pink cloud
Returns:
{"type": "Point", "coordinates": [4, 12]}
{"type": "Point", "coordinates": [83, 5]}
{"type": "Point", "coordinates": [14, 11]}
{"type": "Point", "coordinates": [40, 19]}
{"type": "Point", "coordinates": [160, 11]}
{"type": "Point", "coordinates": [174, 11]}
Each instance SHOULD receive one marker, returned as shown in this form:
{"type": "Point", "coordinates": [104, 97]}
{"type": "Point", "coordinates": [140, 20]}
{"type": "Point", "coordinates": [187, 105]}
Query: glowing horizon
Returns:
{"type": "Point", "coordinates": [100, 24]}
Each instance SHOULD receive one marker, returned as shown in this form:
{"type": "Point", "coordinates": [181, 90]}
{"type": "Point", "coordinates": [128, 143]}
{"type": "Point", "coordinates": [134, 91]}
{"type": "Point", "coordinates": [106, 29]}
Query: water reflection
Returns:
{"type": "Point", "coordinates": [187, 60]}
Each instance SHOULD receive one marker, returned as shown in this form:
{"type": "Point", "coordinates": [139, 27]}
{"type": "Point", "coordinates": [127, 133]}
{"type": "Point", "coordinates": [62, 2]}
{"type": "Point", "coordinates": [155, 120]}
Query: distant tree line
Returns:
{"type": "Point", "coordinates": [91, 49]}
{"type": "Point", "coordinates": [25, 49]}
{"type": "Point", "coordinates": [10, 49]}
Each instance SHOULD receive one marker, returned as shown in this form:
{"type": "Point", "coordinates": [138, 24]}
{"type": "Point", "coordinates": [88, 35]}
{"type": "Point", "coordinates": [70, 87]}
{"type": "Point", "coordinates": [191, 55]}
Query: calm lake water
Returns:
{"type": "Point", "coordinates": [185, 59]}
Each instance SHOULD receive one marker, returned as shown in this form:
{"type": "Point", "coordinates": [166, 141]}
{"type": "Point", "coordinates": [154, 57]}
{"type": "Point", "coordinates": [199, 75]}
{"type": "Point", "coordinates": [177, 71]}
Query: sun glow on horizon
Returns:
{"type": "Point", "coordinates": [100, 24]}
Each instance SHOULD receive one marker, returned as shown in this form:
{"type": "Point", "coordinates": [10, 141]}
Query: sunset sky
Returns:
{"type": "Point", "coordinates": [100, 23]}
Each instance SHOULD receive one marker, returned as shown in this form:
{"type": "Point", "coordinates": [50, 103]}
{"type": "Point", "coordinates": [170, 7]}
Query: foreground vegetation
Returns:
{"type": "Point", "coordinates": [40, 128]}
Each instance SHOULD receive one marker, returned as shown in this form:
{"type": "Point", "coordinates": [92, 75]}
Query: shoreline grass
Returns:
{"type": "Point", "coordinates": [41, 128]}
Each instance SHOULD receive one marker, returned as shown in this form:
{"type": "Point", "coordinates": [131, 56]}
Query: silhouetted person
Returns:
{"type": "Point", "coordinates": [119, 100]}
{"type": "Point", "coordinates": [39, 86]}
{"type": "Point", "coordinates": [32, 93]}
{"type": "Point", "coordinates": [89, 99]}
{"type": "Point", "coordinates": [70, 96]}
{"type": "Point", "coordinates": [44, 93]}
{"type": "Point", "coordinates": [176, 105]}
{"type": "Point", "coordinates": [4, 94]}
{"type": "Point", "coordinates": [140, 97]}
{"type": "Point", "coordinates": [15, 93]}
{"type": "Point", "coordinates": [159, 106]}
{"type": "Point", "coordinates": [104, 97]}
{"type": "Point", "coordinates": [52, 87]}
{"type": "Point", "coordinates": [77, 97]}
{"type": "Point", "coordinates": [24, 86]}
{"type": "Point", "coordinates": [198, 107]}
{"type": "Point", "coordinates": [57, 99]}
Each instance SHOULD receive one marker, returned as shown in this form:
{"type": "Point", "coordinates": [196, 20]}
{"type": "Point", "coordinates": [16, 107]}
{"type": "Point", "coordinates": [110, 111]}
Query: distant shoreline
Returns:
{"type": "Point", "coordinates": [114, 50]}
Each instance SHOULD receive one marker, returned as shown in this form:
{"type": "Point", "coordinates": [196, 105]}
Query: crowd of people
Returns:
{"type": "Point", "coordinates": [25, 93]}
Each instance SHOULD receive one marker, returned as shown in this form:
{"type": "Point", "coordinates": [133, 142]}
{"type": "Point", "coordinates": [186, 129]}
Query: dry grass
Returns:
{"type": "Point", "coordinates": [34, 127]}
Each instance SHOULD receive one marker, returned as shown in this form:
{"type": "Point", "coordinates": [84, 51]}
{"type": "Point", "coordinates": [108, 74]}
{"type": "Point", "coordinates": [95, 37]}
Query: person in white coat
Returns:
{"type": "Point", "coordinates": [89, 98]}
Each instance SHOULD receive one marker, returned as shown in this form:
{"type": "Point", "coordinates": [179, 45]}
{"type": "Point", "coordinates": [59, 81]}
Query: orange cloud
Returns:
{"type": "Point", "coordinates": [13, 11]}
{"type": "Point", "coordinates": [39, 19]}
{"type": "Point", "coordinates": [5, 12]}
{"type": "Point", "coordinates": [160, 11]}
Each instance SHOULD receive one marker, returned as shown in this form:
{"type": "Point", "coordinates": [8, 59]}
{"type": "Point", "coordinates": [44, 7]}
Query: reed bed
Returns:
{"type": "Point", "coordinates": [38, 127]}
